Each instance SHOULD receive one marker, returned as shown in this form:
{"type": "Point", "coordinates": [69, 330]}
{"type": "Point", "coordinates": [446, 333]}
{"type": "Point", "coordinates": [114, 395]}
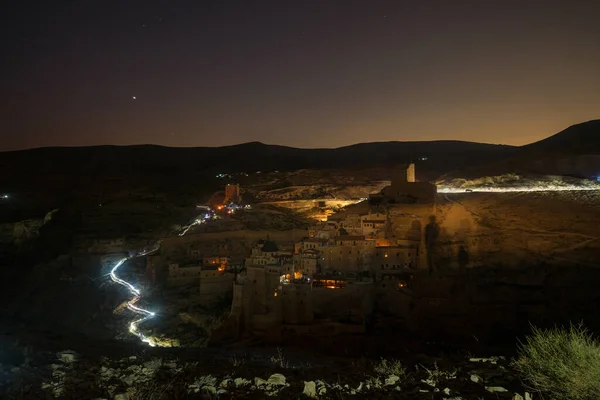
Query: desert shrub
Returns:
{"type": "Point", "coordinates": [279, 359]}
{"type": "Point", "coordinates": [561, 363]}
{"type": "Point", "coordinates": [435, 375]}
{"type": "Point", "coordinates": [389, 367]}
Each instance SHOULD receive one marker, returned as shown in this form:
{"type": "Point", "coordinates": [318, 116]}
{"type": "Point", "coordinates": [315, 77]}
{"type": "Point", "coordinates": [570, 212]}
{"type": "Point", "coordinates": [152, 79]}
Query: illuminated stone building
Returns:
{"type": "Point", "coordinates": [232, 194]}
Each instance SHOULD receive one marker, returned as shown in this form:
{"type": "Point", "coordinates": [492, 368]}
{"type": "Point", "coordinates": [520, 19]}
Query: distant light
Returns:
{"type": "Point", "coordinates": [5, 196]}
{"type": "Point", "coordinates": [134, 97]}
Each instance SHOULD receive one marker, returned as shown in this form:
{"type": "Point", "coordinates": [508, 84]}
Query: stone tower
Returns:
{"type": "Point", "coordinates": [232, 193]}
{"type": "Point", "coordinates": [410, 173]}
{"type": "Point", "coordinates": [404, 175]}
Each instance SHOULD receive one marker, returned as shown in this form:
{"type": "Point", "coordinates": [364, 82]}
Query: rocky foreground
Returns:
{"type": "Point", "coordinates": [68, 375]}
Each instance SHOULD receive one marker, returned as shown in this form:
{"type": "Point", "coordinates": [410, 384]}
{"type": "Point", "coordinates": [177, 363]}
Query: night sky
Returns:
{"type": "Point", "coordinates": [305, 73]}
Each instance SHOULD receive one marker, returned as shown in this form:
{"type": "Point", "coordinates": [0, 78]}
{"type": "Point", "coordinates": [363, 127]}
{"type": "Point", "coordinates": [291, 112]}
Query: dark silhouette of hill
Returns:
{"type": "Point", "coordinates": [55, 177]}
{"type": "Point", "coordinates": [247, 157]}
{"type": "Point", "coordinates": [577, 139]}
{"type": "Point", "coordinates": [574, 151]}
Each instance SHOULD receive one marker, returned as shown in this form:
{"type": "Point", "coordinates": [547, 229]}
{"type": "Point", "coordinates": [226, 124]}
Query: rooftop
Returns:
{"type": "Point", "coordinates": [349, 237]}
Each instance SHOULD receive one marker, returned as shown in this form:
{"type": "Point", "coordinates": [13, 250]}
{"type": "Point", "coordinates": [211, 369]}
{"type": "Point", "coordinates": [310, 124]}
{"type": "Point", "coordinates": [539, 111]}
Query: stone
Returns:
{"type": "Point", "coordinates": [517, 396]}
{"type": "Point", "coordinates": [129, 380]}
{"type": "Point", "coordinates": [277, 379]}
{"type": "Point", "coordinates": [475, 378]}
{"type": "Point", "coordinates": [321, 387]}
{"type": "Point", "coordinates": [258, 382]}
{"type": "Point", "coordinates": [67, 357]}
{"type": "Point", "coordinates": [496, 389]}
{"type": "Point", "coordinates": [206, 380]}
{"type": "Point", "coordinates": [225, 383]}
{"type": "Point", "coordinates": [391, 380]}
{"type": "Point", "coordinates": [238, 382]}
{"type": "Point", "coordinates": [310, 389]}
{"type": "Point", "coordinates": [210, 389]}
{"type": "Point", "coordinates": [429, 382]}
{"type": "Point", "coordinates": [490, 360]}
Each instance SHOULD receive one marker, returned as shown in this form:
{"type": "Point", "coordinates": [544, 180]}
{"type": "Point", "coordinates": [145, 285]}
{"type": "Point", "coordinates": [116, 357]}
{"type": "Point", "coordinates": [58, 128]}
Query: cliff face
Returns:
{"type": "Point", "coordinates": [21, 231]}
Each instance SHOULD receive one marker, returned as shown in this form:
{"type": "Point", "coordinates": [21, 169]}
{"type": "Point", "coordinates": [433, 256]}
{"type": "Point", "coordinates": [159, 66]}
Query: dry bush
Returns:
{"type": "Point", "coordinates": [561, 363]}
{"type": "Point", "coordinates": [389, 367]}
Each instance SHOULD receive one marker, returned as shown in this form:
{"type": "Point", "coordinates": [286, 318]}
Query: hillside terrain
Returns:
{"type": "Point", "coordinates": [143, 160]}
{"type": "Point", "coordinates": [574, 151]}
{"type": "Point", "coordinates": [40, 180]}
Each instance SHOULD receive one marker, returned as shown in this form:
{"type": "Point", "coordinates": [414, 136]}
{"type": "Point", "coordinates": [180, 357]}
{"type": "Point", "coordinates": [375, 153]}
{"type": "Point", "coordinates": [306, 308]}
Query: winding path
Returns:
{"type": "Point", "coordinates": [136, 292]}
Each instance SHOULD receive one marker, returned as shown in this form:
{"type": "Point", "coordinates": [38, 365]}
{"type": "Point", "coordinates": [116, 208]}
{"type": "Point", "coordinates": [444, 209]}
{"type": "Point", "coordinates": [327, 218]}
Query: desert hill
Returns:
{"type": "Point", "coordinates": [577, 139]}
{"type": "Point", "coordinates": [575, 151]}
{"type": "Point", "coordinates": [47, 178]}
{"type": "Point", "coordinates": [443, 156]}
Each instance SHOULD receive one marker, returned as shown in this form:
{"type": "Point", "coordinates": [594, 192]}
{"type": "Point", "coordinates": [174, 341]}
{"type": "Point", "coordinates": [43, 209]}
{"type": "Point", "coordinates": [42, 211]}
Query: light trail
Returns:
{"type": "Point", "coordinates": [133, 325]}
{"type": "Point", "coordinates": [517, 189]}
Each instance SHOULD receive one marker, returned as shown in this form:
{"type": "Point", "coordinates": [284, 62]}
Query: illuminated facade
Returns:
{"type": "Point", "coordinates": [232, 194]}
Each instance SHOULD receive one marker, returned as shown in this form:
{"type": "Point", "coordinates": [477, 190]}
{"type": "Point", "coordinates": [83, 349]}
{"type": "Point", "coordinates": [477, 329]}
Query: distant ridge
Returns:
{"type": "Point", "coordinates": [577, 139]}
{"type": "Point", "coordinates": [442, 156]}
{"type": "Point", "coordinates": [574, 151]}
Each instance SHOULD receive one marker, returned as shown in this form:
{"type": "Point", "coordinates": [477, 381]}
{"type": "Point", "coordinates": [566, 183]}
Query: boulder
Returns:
{"type": "Point", "coordinates": [496, 389]}
{"type": "Point", "coordinates": [225, 383]}
{"type": "Point", "coordinates": [258, 382]}
{"type": "Point", "coordinates": [321, 387]}
{"type": "Point", "coordinates": [67, 356]}
{"type": "Point", "coordinates": [310, 389]}
{"type": "Point", "coordinates": [239, 382]}
{"type": "Point", "coordinates": [128, 380]}
{"type": "Point", "coordinates": [277, 379]}
{"type": "Point", "coordinates": [391, 380]}
{"type": "Point", "coordinates": [210, 389]}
